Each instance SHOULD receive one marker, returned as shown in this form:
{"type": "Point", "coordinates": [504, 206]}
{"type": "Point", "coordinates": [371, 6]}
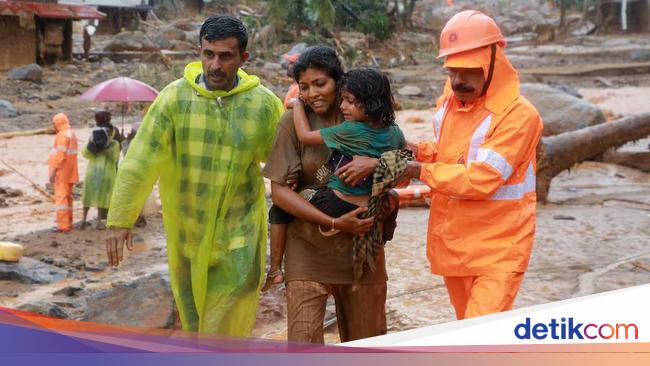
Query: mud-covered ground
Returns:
{"type": "Point", "coordinates": [593, 235]}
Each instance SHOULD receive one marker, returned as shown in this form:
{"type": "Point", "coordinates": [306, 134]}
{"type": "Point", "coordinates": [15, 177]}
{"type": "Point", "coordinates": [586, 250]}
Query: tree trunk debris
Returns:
{"type": "Point", "coordinates": [560, 152]}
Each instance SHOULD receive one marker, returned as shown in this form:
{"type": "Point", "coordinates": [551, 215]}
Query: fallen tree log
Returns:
{"type": "Point", "coordinates": [634, 160]}
{"type": "Point", "coordinates": [560, 152]}
{"type": "Point", "coordinates": [40, 131]}
{"type": "Point", "coordinates": [596, 69]}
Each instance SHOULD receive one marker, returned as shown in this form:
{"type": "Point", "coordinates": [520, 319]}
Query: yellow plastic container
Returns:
{"type": "Point", "coordinates": [10, 252]}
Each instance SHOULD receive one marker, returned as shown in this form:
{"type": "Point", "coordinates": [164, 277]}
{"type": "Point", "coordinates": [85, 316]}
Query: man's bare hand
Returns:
{"type": "Point", "coordinates": [115, 240]}
{"type": "Point", "coordinates": [412, 171]}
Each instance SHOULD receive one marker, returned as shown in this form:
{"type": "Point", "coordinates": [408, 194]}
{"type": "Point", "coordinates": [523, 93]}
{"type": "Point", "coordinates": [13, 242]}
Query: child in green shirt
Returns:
{"type": "Point", "coordinates": [369, 129]}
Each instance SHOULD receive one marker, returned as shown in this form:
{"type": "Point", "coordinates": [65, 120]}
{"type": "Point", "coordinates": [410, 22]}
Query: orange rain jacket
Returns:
{"type": "Point", "coordinates": [64, 153]}
{"type": "Point", "coordinates": [481, 168]}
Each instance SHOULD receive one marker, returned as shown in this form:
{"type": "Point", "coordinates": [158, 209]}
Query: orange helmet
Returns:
{"type": "Point", "coordinates": [468, 30]}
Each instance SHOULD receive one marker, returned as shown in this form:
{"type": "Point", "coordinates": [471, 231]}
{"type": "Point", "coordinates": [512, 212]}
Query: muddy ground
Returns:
{"type": "Point", "coordinates": [593, 235]}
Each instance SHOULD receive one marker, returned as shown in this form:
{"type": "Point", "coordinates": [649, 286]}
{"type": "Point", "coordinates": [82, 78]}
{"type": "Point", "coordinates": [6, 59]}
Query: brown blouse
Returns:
{"type": "Point", "coordinates": [309, 255]}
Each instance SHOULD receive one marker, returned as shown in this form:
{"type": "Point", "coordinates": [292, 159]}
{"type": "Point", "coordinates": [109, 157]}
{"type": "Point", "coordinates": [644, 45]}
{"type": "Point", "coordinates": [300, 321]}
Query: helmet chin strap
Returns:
{"type": "Point", "coordinates": [493, 48]}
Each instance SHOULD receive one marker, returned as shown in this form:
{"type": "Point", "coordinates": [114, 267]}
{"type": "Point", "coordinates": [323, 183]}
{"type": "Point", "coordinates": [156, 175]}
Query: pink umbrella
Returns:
{"type": "Point", "coordinates": [121, 89]}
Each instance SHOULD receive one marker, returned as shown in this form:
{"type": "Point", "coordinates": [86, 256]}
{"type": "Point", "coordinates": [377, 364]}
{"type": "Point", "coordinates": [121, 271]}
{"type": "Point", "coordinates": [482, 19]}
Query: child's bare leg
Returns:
{"type": "Point", "coordinates": [278, 244]}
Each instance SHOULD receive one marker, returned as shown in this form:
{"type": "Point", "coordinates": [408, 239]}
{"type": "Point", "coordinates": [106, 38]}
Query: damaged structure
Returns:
{"type": "Point", "coordinates": [120, 14]}
{"type": "Point", "coordinates": [38, 32]}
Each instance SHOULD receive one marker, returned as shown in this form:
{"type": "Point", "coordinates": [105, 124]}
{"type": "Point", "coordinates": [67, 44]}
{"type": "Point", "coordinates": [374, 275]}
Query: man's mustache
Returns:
{"type": "Point", "coordinates": [463, 88]}
{"type": "Point", "coordinates": [216, 74]}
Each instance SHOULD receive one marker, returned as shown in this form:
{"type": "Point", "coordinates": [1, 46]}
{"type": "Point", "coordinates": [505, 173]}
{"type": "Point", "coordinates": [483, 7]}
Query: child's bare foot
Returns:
{"type": "Point", "coordinates": [273, 279]}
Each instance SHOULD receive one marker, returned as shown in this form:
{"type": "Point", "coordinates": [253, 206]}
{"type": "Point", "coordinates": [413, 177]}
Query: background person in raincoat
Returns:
{"type": "Point", "coordinates": [63, 172]}
{"type": "Point", "coordinates": [481, 168]}
{"type": "Point", "coordinates": [204, 138]}
{"type": "Point", "coordinates": [99, 180]}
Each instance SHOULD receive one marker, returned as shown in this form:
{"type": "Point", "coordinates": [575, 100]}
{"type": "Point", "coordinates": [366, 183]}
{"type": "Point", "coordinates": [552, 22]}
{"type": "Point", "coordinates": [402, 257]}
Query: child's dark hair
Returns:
{"type": "Point", "coordinates": [371, 89]}
{"type": "Point", "coordinates": [322, 58]}
{"type": "Point", "coordinates": [220, 27]}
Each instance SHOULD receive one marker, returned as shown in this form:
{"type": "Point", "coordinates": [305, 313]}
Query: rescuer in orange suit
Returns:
{"type": "Point", "coordinates": [480, 166]}
{"type": "Point", "coordinates": [63, 171]}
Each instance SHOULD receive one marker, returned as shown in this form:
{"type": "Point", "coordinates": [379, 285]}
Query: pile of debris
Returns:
{"type": "Point", "coordinates": [181, 36]}
{"type": "Point", "coordinates": [524, 20]}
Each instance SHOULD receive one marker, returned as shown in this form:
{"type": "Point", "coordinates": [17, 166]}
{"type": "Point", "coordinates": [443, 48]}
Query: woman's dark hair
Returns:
{"type": "Point", "coordinates": [371, 89]}
{"type": "Point", "coordinates": [102, 117]}
{"type": "Point", "coordinates": [322, 58]}
{"type": "Point", "coordinates": [223, 26]}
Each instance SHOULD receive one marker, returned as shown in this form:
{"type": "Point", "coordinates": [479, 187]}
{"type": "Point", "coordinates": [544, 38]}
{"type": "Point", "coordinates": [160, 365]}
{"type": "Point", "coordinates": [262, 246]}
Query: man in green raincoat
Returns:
{"type": "Point", "coordinates": [204, 138]}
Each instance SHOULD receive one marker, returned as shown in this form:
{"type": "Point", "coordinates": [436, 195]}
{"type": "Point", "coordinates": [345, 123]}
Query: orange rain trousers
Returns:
{"type": "Point", "coordinates": [63, 201]}
{"type": "Point", "coordinates": [474, 296]}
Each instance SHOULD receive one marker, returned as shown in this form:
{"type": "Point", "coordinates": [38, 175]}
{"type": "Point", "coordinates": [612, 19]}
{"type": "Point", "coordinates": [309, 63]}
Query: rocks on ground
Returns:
{"type": "Point", "coordinates": [131, 41]}
{"type": "Point", "coordinates": [7, 110]}
{"type": "Point", "coordinates": [560, 111]}
{"type": "Point", "coordinates": [640, 55]}
{"type": "Point", "coordinates": [167, 36]}
{"type": "Point", "coordinates": [46, 308]}
{"type": "Point", "coordinates": [31, 72]}
{"type": "Point", "coordinates": [409, 91]}
{"type": "Point", "coordinates": [144, 302]}
{"type": "Point", "coordinates": [29, 270]}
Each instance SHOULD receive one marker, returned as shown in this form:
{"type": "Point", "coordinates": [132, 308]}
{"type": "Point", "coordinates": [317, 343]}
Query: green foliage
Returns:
{"type": "Point", "coordinates": [323, 11]}
{"type": "Point", "coordinates": [372, 17]}
{"type": "Point", "coordinates": [290, 15]}
{"type": "Point", "coordinates": [379, 26]}
{"type": "Point", "coordinates": [301, 13]}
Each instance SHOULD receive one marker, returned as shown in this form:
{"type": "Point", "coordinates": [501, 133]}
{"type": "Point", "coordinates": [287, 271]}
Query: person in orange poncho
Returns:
{"type": "Point", "coordinates": [480, 166]}
{"type": "Point", "coordinates": [63, 171]}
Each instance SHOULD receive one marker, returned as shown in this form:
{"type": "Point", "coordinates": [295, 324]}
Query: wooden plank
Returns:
{"type": "Point", "coordinates": [40, 131]}
{"type": "Point", "coordinates": [574, 70]}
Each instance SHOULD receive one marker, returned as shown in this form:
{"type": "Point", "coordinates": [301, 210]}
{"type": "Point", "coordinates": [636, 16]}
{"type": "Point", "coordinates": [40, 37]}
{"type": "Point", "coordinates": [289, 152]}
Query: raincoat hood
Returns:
{"type": "Point", "coordinates": [61, 122]}
{"type": "Point", "coordinates": [503, 89]}
{"type": "Point", "coordinates": [246, 82]}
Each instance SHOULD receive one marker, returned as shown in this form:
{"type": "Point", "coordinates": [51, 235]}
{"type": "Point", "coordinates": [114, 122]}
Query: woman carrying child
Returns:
{"type": "Point", "coordinates": [316, 265]}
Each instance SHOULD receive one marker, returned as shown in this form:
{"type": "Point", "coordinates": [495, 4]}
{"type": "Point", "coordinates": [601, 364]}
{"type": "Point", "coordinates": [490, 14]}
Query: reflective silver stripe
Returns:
{"type": "Point", "coordinates": [71, 151]}
{"type": "Point", "coordinates": [61, 148]}
{"type": "Point", "coordinates": [517, 191]}
{"type": "Point", "coordinates": [478, 139]}
{"type": "Point", "coordinates": [63, 208]}
{"type": "Point", "coordinates": [495, 160]}
{"type": "Point", "coordinates": [416, 193]}
{"type": "Point", "coordinates": [437, 120]}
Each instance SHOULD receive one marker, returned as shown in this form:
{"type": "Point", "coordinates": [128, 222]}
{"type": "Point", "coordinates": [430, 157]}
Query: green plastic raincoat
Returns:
{"type": "Point", "coordinates": [100, 176]}
{"type": "Point", "coordinates": [206, 148]}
